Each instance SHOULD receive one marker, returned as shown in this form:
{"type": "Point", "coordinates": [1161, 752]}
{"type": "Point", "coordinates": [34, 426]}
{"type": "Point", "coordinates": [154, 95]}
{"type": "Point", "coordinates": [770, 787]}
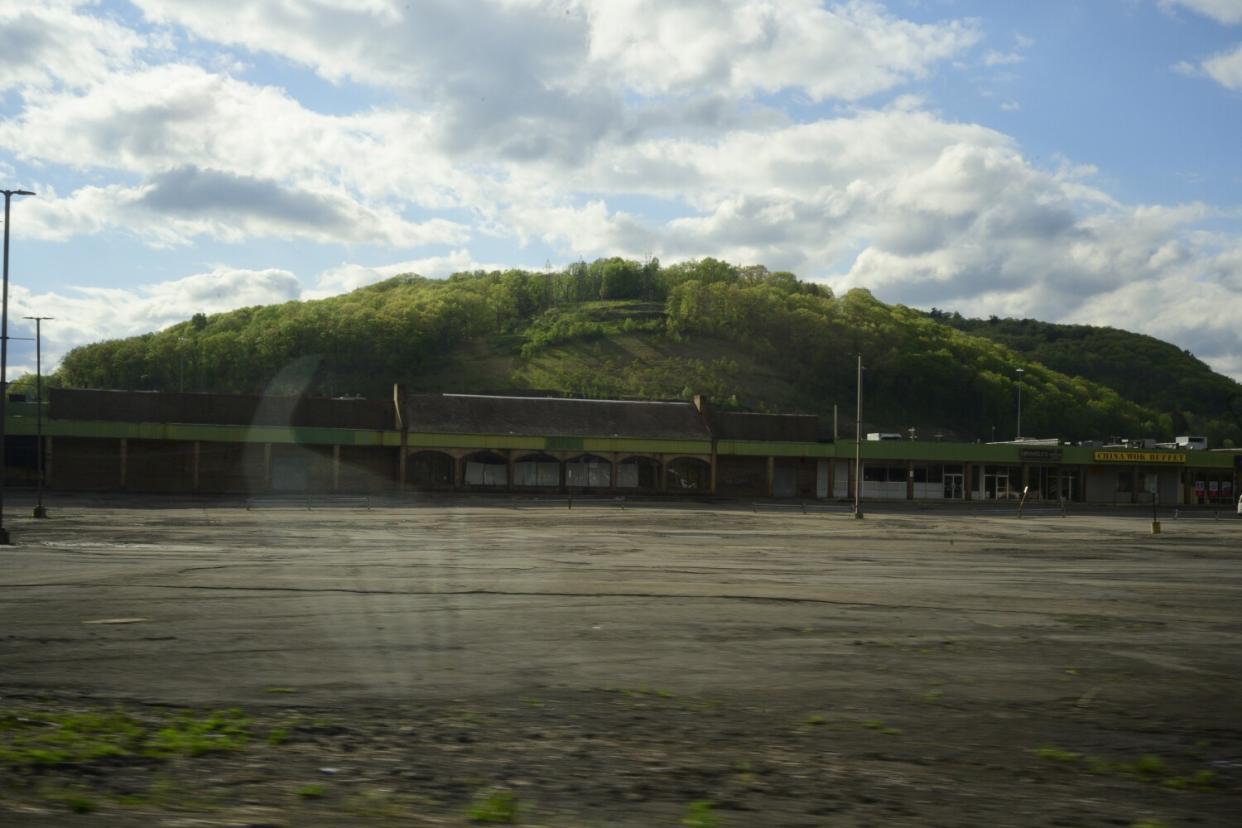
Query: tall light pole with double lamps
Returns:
{"type": "Point", "coordinates": [39, 510]}
{"type": "Point", "coordinates": [4, 354]}
{"type": "Point", "coordinates": [1021, 371]}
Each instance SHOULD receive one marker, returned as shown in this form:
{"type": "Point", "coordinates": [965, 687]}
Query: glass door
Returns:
{"type": "Point", "coordinates": [953, 487]}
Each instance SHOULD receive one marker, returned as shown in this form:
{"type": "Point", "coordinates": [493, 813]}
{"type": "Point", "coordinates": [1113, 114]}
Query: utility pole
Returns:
{"type": "Point", "coordinates": [858, 447]}
{"type": "Point", "coordinates": [39, 510]}
{"type": "Point", "coordinates": [4, 355]}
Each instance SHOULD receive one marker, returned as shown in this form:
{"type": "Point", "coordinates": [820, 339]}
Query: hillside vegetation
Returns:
{"type": "Point", "coordinates": [750, 338]}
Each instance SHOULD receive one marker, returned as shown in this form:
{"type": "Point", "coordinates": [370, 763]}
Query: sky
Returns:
{"type": "Point", "coordinates": [1067, 161]}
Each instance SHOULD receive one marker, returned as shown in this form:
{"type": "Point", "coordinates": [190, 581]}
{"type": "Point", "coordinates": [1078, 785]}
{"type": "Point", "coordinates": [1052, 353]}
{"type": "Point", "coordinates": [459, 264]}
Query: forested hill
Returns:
{"type": "Point", "coordinates": [1141, 368]}
{"type": "Point", "coordinates": [750, 338]}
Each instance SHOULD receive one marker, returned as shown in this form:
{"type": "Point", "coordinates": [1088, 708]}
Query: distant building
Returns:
{"type": "Point", "coordinates": [231, 443]}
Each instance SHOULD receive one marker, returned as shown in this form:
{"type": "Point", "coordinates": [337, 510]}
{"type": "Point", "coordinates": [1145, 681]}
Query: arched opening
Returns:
{"type": "Point", "coordinates": [687, 474]}
{"type": "Point", "coordinates": [429, 470]}
{"type": "Point", "coordinates": [638, 472]}
{"type": "Point", "coordinates": [590, 471]}
{"type": "Point", "coordinates": [537, 471]}
{"type": "Point", "coordinates": [487, 469]}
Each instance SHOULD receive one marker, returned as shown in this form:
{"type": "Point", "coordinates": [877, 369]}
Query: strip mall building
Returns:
{"type": "Point", "coordinates": [220, 443]}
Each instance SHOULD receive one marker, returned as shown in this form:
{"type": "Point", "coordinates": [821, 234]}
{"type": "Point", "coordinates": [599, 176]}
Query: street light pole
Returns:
{"type": "Point", "coordinates": [4, 355]}
{"type": "Point", "coordinates": [858, 447]}
{"type": "Point", "coordinates": [39, 510]}
{"type": "Point", "coordinates": [1019, 434]}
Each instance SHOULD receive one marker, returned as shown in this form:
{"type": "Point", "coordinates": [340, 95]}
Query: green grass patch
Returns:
{"type": "Point", "coordinates": [816, 720]}
{"type": "Point", "coordinates": [30, 739]}
{"type": "Point", "coordinates": [76, 801]}
{"type": "Point", "coordinates": [498, 806]}
{"type": "Point", "coordinates": [1148, 765]}
{"type": "Point", "coordinates": [190, 736]}
{"type": "Point", "coordinates": [312, 791]}
{"type": "Point", "coordinates": [1203, 780]}
{"type": "Point", "coordinates": [700, 815]}
{"type": "Point", "coordinates": [1056, 754]}
{"type": "Point", "coordinates": [879, 727]}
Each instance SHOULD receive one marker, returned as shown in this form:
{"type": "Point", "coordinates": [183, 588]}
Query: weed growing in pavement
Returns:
{"type": "Point", "coordinates": [933, 696]}
{"type": "Point", "coordinates": [77, 801]}
{"type": "Point", "coordinates": [879, 727]}
{"type": "Point", "coordinates": [1204, 780]}
{"type": "Point", "coordinates": [312, 791]}
{"type": "Point", "coordinates": [188, 736]}
{"type": "Point", "coordinates": [277, 736]}
{"type": "Point", "coordinates": [380, 802]}
{"type": "Point", "coordinates": [699, 815]}
{"type": "Point", "coordinates": [494, 806]}
{"type": "Point", "coordinates": [275, 690]}
{"type": "Point", "coordinates": [41, 738]}
{"type": "Point", "coordinates": [1056, 754]}
{"type": "Point", "coordinates": [1148, 767]}
{"type": "Point", "coordinates": [816, 720]}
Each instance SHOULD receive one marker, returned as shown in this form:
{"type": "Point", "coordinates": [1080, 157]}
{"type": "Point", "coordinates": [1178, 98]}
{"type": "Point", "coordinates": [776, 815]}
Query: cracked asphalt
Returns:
{"type": "Point", "coordinates": [915, 663]}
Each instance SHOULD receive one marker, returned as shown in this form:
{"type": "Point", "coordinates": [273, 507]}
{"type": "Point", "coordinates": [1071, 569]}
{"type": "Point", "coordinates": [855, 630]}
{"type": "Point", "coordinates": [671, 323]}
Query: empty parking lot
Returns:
{"type": "Point", "coordinates": [615, 666]}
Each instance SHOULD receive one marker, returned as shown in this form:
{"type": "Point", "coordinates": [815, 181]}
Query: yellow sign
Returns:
{"type": "Point", "coordinates": [1138, 457]}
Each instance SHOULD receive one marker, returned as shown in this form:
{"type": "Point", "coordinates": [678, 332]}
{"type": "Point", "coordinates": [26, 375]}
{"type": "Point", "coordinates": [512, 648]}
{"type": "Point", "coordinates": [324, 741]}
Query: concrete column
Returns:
{"type": "Point", "coordinates": [47, 462]}
{"type": "Point", "coordinates": [402, 457]}
{"type": "Point", "coordinates": [336, 468]}
{"type": "Point", "coordinates": [267, 467]}
{"type": "Point", "coordinates": [510, 459]}
{"type": "Point", "coordinates": [1134, 484]}
{"type": "Point", "coordinates": [909, 480]}
{"type": "Point", "coordinates": [712, 489]}
{"type": "Point", "coordinates": [613, 459]}
{"type": "Point", "coordinates": [1187, 486]}
{"type": "Point", "coordinates": [968, 480]}
{"type": "Point", "coordinates": [771, 476]}
{"type": "Point", "coordinates": [459, 472]}
{"type": "Point", "coordinates": [124, 460]}
{"type": "Point", "coordinates": [832, 471]}
{"type": "Point", "coordinates": [195, 465]}
{"type": "Point", "coordinates": [662, 478]}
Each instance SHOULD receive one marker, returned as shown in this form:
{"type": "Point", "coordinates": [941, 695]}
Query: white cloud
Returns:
{"type": "Point", "coordinates": [90, 314]}
{"type": "Point", "coordinates": [46, 42]}
{"type": "Point", "coordinates": [1222, 11]}
{"type": "Point", "coordinates": [1226, 68]}
{"type": "Point", "coordinates": [174, 207]}
{"type": "Point", "coordinates": [848, 51]}
{"type": "Point", "coordinates": [995, 58]}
